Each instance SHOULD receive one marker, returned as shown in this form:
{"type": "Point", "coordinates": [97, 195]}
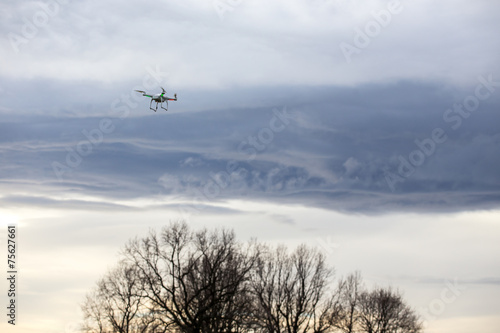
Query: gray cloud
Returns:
{"type": "Point", "coordinates": [334, 151]}
{"type": "Point", "coordinates": [255, 44]}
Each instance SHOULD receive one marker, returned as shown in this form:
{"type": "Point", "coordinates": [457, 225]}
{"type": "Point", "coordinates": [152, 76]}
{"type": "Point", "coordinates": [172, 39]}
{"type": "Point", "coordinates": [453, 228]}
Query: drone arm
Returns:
{"type": "Point", "coordinates": [144, 93]}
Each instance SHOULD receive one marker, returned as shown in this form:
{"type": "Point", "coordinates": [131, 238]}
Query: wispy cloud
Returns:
{"type": "Point", "coordinates": [333, 154]}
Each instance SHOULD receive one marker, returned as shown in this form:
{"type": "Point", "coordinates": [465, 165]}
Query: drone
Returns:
{"type": "Point", "coordinates": [159, 99]}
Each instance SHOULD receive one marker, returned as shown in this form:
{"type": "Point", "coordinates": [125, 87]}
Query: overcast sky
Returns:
{"type": "Point", "coordinates": [367, 128]}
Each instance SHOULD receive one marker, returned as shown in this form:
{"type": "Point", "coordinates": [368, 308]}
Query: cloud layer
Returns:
{"type": "Point", "coordinates": [250, 42]}
{"type": "Point", "coordinates": [384, 148]}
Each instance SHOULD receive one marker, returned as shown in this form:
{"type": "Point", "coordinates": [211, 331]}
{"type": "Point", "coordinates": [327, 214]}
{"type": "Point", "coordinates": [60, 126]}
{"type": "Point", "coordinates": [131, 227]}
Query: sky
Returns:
{"type": "Point", "coordinates": [369, 129]}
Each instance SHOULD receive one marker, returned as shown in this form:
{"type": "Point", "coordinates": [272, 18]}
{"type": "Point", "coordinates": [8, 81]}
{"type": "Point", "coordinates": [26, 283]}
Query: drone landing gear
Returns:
{"type": "Point", "coordinates": [151, 107]}
{"type": "Point", "coordinates": [161, 104]}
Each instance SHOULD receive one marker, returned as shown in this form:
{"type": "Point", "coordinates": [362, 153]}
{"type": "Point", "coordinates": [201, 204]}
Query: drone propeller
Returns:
{"type": "Point", "coordinates": [142, 92]}
{"type": "Point", "coordinates": [163, 90]}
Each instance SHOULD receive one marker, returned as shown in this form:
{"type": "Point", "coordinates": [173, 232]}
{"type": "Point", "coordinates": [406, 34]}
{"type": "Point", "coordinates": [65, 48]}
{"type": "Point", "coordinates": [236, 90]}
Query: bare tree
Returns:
{"type": "Point", "coordinates": [384, 311]}
{"type": "Point", "coordinates": [197, 282]}
{"type": "Point", "coordinates": [289, 290]}
{"type": "Point", "coordinates": [117, 304]}
{"type": "Point", "coordinates": [344, 313]}
{"type": "Point", "coordinates": [94, 317]}
{"type": "Point", "coordinates": [183, 281]}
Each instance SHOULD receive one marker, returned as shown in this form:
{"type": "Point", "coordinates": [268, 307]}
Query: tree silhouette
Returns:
{"type": "Point", "coordinates": [196, 281]}
{"type": "Point", "coordinates": [289, 289]}
{"type": "Point", "coordinates": [383, 311]}
{"type": "Point", "coordinates": [344, 315]}
{"type": "Point", "coordinates": [117, 304]}
{"type": "Point", "coordinates": [185, 281]}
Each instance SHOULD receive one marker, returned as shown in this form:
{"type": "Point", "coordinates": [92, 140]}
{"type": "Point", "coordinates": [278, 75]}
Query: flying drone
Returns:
{"type": "Point", "coordinates": [159, 99]}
